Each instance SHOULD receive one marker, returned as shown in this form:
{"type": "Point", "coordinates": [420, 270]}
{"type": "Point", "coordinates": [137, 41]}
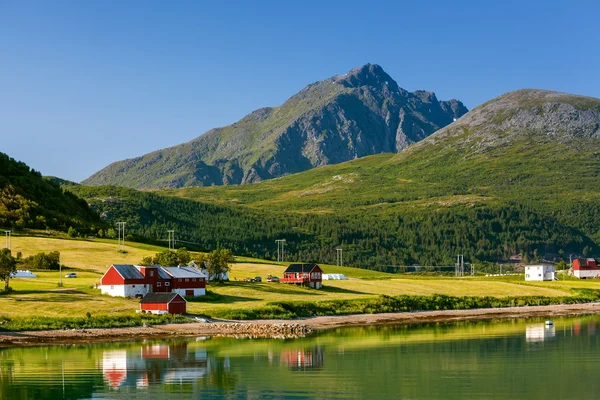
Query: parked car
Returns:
{"type": "Point", "coordinates": [71, 275]}
{"type": "Point", "coordinates": [257, 279]}
{"type": "Point", "coordinates": [272, 279]}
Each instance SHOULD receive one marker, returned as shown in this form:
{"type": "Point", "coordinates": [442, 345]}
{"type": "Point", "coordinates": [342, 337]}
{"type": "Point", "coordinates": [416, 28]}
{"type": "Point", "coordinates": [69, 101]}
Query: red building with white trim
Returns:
{"type": "Point", "coordinates": [584, 268]}
{"type": "Point", "coordinates": [163, 303]}
{"type": "Point", "coordinates": [138, 280]}
{"type": "Point", "coordinates": [310, 275]}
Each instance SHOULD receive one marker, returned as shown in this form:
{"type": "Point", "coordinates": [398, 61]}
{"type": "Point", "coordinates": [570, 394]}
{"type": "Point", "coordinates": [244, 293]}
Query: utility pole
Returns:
{"type": "Point", "coordinates": [120, 236]}
{"type": "Point", "coordinates": [460, 265]}
{"type": "Point", "coordinates": [8, 239]}
{"type": "Point", "coordinates": [280, 254]}
{"type": "Point", "coordinates": [570, 261]}
{"type": "Point", "coordinates": [340, 260]}
{"type": "Point", "coordinates": [171, 239]}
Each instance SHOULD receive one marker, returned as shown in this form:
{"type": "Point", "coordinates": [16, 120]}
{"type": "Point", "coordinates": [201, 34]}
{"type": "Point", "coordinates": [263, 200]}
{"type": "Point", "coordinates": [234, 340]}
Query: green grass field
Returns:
{"type": "Point", "coordinates": [90, 258]}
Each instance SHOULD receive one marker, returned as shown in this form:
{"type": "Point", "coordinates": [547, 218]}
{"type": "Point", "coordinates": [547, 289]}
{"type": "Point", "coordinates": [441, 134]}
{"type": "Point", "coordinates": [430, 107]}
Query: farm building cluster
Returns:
{"type": "Point", "coordinates": [127, 280]}
{"type": "Point", "coordinates": [162, 289]}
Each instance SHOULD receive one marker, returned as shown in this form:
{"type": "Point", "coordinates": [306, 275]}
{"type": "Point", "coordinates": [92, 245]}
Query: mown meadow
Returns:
{"type": "Point", "coordinates": [364, 291]}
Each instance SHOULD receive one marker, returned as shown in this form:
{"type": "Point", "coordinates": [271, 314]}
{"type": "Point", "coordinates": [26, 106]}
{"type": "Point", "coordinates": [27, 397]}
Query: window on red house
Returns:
{"type": "Point", "coordinates": [158, 283]}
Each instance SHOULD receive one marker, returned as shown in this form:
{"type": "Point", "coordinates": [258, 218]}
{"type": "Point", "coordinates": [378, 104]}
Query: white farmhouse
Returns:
{"type": "Point", "coordinates": [540, 272]}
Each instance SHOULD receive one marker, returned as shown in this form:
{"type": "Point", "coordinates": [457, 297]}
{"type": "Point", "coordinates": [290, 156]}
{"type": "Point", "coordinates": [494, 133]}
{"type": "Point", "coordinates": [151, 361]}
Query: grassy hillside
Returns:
{"type": "Point", "coordinates": [29, 201]}
{"type": "Point", "coordinates": [517, 175]}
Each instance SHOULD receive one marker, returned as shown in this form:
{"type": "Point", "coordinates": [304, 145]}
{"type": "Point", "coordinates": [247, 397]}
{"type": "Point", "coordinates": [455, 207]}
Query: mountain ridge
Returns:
{"type": "Point", "coordinates": [341, 118]}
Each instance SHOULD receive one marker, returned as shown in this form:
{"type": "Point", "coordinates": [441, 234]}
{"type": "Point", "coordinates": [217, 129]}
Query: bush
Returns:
{"type": "Point", "coordinates": [404, 303]}
{"type": "Point", "coordinates": [88, 322]}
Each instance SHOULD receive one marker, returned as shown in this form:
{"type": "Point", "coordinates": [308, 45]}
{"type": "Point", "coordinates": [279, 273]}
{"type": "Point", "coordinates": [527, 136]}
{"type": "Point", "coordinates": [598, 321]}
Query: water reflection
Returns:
{"type": "Point", "coordinates": [304, 359]}
{"type": "Point", "coordinates": [153, 363]}
{"type": "Point", "coordinates": [535, 333]}
{"type": "Point", "coordinates": [483, 359]}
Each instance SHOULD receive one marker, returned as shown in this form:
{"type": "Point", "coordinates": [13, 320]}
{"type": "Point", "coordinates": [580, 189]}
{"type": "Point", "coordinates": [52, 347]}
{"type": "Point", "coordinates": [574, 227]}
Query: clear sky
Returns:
{"type": "Point", "coordinates": [86, 83]}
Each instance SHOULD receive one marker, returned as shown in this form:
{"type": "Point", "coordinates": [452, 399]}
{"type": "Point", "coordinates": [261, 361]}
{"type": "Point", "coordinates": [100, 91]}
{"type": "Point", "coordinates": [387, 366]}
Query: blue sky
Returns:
{"type": "Point", "coordinates": [86, 83]}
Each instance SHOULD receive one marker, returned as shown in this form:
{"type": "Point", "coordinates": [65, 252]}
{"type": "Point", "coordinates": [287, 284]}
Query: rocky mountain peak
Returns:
{"type": "Point", "coordinates": [349, 116]}
{"type": "Point", "coordinates": [367, 75]}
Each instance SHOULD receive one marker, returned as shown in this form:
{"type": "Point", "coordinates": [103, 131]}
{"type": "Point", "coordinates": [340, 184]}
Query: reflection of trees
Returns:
{"type": "Point", "coordinates": [219, 375]}
{"type": "Point", "coordinates": [74, 387]}
{"type": "Point", "coordinates": [6, 378]}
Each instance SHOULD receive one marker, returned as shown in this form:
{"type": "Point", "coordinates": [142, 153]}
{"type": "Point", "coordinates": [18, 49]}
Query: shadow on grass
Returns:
{"type": "Point", "coordinates": [280, 288]}
{"type": "Point", "coordinates": [45, 291]}
{"type": "Point", "coordinates": [335, 289]}
{"type": "Point", "coordinates": [216, 298]}
{"type": "Point", "coordinates": [57, 298]}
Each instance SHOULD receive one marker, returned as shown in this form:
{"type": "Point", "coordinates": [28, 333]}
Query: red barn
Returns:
{"type": "Point", "coordinates": [584, 268]}
{"type": "Point", "coordinates": [162, 303]}
{"type": "Point", "coordinates": [139, 280]}
{"type": "Point", "coordinates": [304, 275]}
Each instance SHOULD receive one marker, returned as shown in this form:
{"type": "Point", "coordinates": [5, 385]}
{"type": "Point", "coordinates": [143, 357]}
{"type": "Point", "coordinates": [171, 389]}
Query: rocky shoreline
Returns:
{"type": "Point", "coordinates": [277, 329]}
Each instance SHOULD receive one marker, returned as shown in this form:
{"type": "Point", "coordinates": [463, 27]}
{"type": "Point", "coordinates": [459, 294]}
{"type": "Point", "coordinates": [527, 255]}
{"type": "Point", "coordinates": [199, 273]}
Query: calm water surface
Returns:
{"type": "Point", "coordinates": [468, 360]}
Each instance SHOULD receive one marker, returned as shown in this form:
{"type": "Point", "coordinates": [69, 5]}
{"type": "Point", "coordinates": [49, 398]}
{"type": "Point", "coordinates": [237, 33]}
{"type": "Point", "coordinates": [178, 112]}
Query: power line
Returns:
{"type": "Point", "coordinates": [8, 239]}
{"type": "Point", "coordinates": [460, 265]}
{"type": "Point", "coordinates": [280, 254]}
{"type": "Point", "coordinates": [171, 239]}
{"type": "Point", "coordinates": [340, 259]}
{"type": "Point", "coordinates": [121, 236]}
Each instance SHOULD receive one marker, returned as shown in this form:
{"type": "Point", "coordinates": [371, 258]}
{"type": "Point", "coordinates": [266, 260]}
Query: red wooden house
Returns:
{"type": "Point", "coordinates": [304, 275]}
{"type": "Point", "coordinates": [584, 268]}
{"type": "Point", "coordinates": [138, 280]}
{"type": "Point", "coordinates": [162, 303]}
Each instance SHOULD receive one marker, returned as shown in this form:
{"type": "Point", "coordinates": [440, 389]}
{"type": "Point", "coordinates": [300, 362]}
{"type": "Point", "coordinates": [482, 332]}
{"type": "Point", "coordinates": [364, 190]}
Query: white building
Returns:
{"type": "Point", "coordinates": [540, 272]}
{"type": "Point", "coordinates": [223, 276]}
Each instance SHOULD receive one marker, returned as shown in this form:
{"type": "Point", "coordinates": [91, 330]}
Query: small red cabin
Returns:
{"type": "Point", "coordinates": [162, 303]}
{"type": "Point", "coordinates": [304, 275]}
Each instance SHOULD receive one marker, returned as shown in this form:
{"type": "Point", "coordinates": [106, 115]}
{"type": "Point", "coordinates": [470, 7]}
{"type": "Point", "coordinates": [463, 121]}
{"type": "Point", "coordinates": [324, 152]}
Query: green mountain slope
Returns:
{"type": "Point", "coordinates": [29, 201]}
{"type": "Point", "coordinates": [342, 118]}
{"type": "Point", "coordinates": [517, 175]}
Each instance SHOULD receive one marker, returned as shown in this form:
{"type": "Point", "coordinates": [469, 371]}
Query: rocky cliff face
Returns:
{"type": "Point", "coordinates": [342, 118]}
{"type": "Point", "coordinates": [531, 115]}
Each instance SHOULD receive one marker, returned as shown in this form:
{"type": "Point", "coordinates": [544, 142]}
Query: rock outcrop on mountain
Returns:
{"type": "Point", "coordinates": [348, 116]}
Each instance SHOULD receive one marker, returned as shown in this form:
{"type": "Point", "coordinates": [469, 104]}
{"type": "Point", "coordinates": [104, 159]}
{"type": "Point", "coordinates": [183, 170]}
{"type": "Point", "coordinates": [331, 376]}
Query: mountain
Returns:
{"type": "Point", "coordinates": [29, 201]}
{"type": "Point", "coordinates": [518, 175]}
{"type": "Point", "coordinates": [346, 117]}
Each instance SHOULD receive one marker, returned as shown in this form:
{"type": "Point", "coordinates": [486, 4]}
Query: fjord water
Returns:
{"type": "Point", "coordinates": [517, 359]}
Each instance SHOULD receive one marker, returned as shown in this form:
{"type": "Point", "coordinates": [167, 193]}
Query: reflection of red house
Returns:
{"type": "Point", "coordinates": [114, 367]}
{"type": "Point", "coordinates": [584, 268]}
{"type": "Point", "coordinates": [304, 275]}
{"type": "Point", "coordinates": [155, 351]}
{"type": "Point", "coordinates": [303, 358]}
{"type": "Point", "coordinates": [162, 303]}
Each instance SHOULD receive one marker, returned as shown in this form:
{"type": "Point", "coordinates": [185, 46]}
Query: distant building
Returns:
{"type": "Point", "coordinates": [127, 280]}
{"type": "Point", "coordinates": [584, 268]}
{"type": "Point", "coordinates": [223, 276]}
{"type": "Point", "coordinates": [304, 275]}
{"type": "Point", "coordinates": [163, 303]}
{"type": "Point", "coordinates": [540, 272]}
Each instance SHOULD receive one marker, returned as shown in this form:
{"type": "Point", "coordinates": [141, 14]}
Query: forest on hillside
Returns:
{"type": "Point", "coordinates": [27, 200]}
{"type": "Point", "coordinates": [370, 240]}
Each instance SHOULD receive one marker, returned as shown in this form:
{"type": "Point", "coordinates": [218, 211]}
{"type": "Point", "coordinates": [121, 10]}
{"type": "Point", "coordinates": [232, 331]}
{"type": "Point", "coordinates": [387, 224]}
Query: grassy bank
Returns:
{"type": "Point", "coordinates": [19, 324]}
{"type": "Point", "coordinates": [404, 303]}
